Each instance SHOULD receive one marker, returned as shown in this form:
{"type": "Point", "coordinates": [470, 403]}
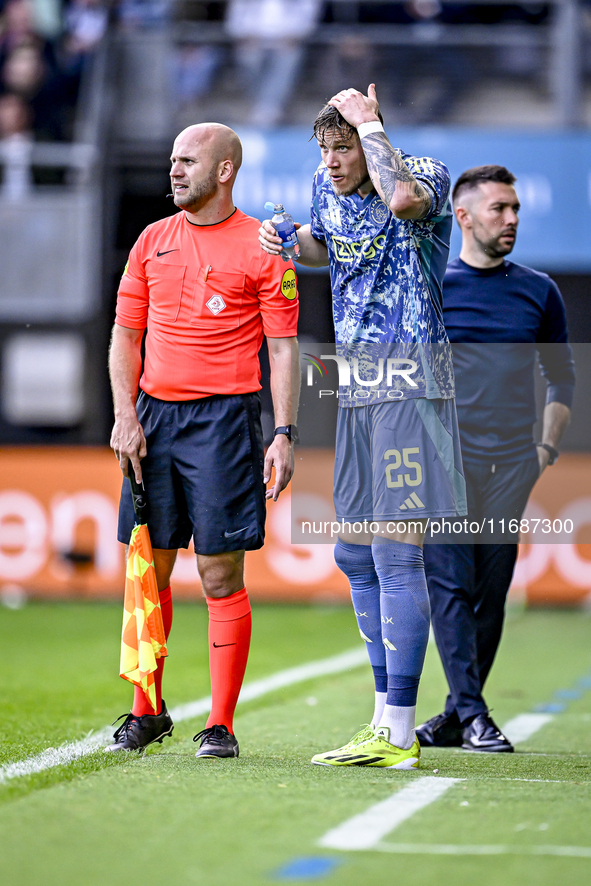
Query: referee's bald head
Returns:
{"type": "Point", "coordinates": [220, 140]}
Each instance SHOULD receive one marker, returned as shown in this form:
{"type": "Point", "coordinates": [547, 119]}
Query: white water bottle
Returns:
{"type": "Point", "coordinates": [283, 224]}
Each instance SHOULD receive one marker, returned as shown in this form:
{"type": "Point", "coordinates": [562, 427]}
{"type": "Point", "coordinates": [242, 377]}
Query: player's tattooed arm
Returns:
{"type": "Point", "coordinates": [401, 192]}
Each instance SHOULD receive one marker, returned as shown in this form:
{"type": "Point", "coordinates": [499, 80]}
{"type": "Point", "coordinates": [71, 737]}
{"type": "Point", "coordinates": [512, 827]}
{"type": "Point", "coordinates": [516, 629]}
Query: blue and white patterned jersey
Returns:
{"type": "Point", "coordinates": [386, 273]}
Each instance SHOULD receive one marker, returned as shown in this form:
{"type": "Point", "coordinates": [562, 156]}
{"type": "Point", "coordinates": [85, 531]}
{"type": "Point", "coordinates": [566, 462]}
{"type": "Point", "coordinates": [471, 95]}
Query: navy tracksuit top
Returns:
{"type": "Point", "coordinates": [502, 316]}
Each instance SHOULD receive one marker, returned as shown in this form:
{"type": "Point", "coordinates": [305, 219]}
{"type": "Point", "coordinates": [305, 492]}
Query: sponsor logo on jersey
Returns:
{"type": "Point", "coordinates": [216, 304]}
{"type": "Point", "coordinates": [347, 251]}
{"type": "Point", "coordinates": [288, 284]}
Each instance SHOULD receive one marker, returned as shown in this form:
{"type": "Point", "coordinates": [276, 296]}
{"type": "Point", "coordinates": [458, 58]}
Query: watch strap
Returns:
{"type": "Point", "coordinates": [553, 453]}
{"type": "Point", "coordinates": [290, 431]}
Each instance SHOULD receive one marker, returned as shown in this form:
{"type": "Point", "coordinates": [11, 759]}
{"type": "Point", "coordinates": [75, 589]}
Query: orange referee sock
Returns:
{"type": "Point", "coordinates": [141, 705]}
{"type": "Point", "coordinates": [229, 641]}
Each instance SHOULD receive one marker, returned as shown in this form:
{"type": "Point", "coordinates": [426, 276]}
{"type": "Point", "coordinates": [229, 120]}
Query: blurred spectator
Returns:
{"type": "Point", "coordinates": [15, 117]}
{"type": "Point", "coordinates": [16, 140]}
{"type": "Point", "coordinates": [25, 73]}
{"type": "Point", "coordinates": [24, 70]}
{"type": "Point", "coordinates": [85, 25]}
{"type": "Point", "coordinates": [44, 73]}
{"type": "Point", "coordinates": [270, 40]}
{"type": "Point", "coordinates": [17, 26]}
{"type": "Point", "coordinates": [27, 66]}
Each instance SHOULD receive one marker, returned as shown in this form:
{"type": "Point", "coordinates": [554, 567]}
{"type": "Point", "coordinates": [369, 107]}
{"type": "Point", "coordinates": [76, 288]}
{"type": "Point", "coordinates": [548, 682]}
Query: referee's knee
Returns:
{"type": "Point", "coordinates": [221, 574]}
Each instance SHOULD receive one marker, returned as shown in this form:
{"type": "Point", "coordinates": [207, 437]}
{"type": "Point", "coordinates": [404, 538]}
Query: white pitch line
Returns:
{"type": "Point", "coordinates": [74, 750]}
{"type": "Point", "coordinates": [523, 726]}
{"type": "Point", "coordinates": [61, 756]}
{"type": "Point", "coordinates": [451, 849]}
{"type": "Point", "coordinates": [364, 831]}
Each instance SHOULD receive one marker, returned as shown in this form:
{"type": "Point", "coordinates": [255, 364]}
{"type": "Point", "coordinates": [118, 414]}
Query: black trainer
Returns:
{"type": "Point", "coordinates": [136, 733]}
{"type": "Point", "coordinates": [216, 741]}
{"type": "Point", "coordinates": [441, 731]}
{"type": "Point", "coordinates": [483, 734]}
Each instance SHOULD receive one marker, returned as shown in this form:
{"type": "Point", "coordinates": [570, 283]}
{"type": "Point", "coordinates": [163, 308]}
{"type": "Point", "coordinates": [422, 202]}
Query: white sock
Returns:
{"type": "Point", "coordinates": [401, 723]}
{"type": "Point", "coordinates": [380, 701]}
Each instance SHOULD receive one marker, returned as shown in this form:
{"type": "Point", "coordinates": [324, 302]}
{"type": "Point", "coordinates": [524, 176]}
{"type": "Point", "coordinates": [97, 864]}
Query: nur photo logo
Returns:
{"type": "Point", "coordinates": [355, 373]}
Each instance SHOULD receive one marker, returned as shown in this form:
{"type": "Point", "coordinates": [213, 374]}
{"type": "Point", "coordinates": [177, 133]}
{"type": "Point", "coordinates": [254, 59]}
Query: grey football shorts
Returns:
{"type": "Point", "coordinates": [399, 461]}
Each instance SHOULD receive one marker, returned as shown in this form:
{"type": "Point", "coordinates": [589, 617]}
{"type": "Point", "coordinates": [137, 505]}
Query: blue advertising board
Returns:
{"type": "Point", "coordinates": [553, 181]}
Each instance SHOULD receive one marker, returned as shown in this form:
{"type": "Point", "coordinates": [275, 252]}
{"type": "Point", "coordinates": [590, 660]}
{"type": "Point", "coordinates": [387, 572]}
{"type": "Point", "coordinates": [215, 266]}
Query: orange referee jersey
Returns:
{"type": "Point", "coordinates": [207, 295]}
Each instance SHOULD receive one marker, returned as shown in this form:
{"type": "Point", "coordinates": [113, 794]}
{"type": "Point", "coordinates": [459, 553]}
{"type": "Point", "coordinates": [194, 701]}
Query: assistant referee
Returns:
{"type": "Point", "coordinates": [204, 294]}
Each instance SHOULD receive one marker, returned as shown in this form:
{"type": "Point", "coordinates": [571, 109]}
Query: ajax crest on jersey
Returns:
{"type": "Point", "coordinates": [378, 211]}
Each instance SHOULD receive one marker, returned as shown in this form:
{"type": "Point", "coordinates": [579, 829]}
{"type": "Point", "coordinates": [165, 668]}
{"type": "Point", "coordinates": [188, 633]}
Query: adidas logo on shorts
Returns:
{"type": "Point", "coordinates": [413, 501]}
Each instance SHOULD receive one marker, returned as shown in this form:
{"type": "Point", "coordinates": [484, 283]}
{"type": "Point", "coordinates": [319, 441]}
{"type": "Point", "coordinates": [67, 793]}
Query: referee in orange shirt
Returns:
{"type": "Point", "coordinates": [188, 421]}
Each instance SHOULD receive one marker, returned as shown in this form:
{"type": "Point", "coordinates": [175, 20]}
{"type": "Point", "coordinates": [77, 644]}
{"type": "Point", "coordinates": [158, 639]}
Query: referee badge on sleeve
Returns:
{"type": "Point", "coordinates": [288, 284]}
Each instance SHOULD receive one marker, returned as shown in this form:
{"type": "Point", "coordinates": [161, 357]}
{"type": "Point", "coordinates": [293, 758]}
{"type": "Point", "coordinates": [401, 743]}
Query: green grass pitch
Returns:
{"type": "Point", "coordinates": [165, 818]}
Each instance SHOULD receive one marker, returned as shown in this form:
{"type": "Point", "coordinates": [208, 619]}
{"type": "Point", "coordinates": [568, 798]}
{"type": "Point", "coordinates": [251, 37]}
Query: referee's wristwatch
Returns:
{"type": "Point", "coordinates": [553, 453]}
{"type": "Point", "coordinates": [290, 431]}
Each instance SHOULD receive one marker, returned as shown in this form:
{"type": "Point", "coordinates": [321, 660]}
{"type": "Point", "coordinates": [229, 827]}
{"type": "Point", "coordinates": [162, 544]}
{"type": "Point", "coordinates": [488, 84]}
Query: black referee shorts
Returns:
{"type": "Point", "coordinates": [203, 474]}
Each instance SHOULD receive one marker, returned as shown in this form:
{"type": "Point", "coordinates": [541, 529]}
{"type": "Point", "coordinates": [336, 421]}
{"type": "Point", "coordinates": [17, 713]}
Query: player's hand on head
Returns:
{"type": "Point", "coordinates": [279, 456]}
{"type": "Point", "coordinates": [356, 107]}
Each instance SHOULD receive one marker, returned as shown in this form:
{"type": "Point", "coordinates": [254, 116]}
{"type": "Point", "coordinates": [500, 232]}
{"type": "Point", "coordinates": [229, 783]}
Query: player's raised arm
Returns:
{"type": "Point", "coordinates": [406, 197]}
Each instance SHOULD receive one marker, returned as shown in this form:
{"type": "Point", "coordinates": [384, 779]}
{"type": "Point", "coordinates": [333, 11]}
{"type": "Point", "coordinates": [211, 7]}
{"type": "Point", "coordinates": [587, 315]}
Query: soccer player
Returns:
{"type": "Point", "coordinates": [489, 303]}
{"type": "Point", "coordinates": [381, 220]}
{"type": "Point", "coordinates": [188, 423]}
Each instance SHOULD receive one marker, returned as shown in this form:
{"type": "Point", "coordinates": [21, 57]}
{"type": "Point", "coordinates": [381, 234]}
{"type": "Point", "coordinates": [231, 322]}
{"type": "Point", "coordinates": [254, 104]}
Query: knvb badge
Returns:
{"type": "Point", "coordinates": [216, 304]}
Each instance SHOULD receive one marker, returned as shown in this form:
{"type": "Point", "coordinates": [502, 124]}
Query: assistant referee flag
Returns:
{"type": "Point", "coordinates": [142, 639]}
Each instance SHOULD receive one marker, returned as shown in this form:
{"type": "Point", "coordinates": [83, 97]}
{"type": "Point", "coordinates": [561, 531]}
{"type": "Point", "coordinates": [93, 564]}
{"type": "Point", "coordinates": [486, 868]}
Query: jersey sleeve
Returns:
{"type": "Point", "coordinates": [556, 359]}
{"type": "Point", "coordinates": [277, 292]}
{"type": "Point", "coordinates": [434, 176]}
{"type": "Point", "coordinates": [133, 292]}
{"type": "Point", "coordinates": [316, 227]}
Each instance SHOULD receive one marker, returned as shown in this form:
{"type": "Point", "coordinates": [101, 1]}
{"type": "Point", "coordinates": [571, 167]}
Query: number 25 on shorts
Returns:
{"type": "Point", "coordinates": [401, 478]}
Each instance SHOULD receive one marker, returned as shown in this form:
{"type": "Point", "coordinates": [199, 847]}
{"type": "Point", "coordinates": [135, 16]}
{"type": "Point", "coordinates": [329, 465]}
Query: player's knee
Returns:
{"type": "Point", "coordinates": [352, 558]}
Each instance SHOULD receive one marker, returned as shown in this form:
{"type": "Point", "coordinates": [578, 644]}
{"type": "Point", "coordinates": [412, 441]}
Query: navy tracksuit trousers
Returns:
{"type": "Point", "coordinates": [469, 580]}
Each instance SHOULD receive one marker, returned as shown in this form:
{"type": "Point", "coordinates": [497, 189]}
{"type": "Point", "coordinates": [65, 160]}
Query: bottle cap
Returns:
{"type": "Point", "coordinates": [274, 207]}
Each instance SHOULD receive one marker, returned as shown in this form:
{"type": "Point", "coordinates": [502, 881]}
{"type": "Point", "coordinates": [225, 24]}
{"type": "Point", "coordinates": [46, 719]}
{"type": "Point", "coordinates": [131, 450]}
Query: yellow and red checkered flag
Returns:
{"type": "Point", "coordinates": [142, 639]}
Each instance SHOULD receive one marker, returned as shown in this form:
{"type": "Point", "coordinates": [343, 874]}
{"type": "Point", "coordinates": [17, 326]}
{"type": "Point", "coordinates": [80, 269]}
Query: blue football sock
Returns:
{"type": "Point", "coordinates": [404, 604]}
{"type": "Point", "coordinates": [356, 561]}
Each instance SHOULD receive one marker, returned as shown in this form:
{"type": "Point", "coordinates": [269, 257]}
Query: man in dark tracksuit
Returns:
{"type": "Point", "coordinates": [490, 304]}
